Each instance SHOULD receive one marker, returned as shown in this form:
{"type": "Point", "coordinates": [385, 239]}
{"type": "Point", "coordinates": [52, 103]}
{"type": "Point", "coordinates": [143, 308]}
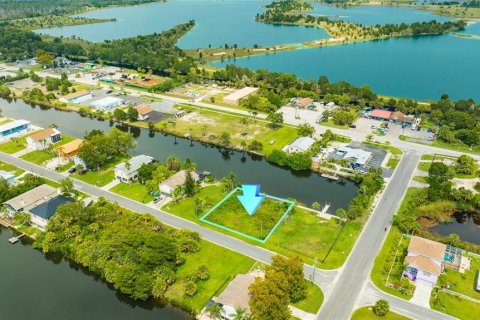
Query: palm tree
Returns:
{"type": "Point", "coordinates": [369, 138]}
{"type": "Point", "coordinates": [240, 314]}
{"type": "Point", "coordinates": [215, 311]}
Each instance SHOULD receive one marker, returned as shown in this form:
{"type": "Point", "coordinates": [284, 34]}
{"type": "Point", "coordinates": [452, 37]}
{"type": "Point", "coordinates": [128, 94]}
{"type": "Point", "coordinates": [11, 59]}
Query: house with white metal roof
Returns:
{"type": "Point", "coordinates": [128, 171]}
{"type": "Point", "coordinates": [302, 144]}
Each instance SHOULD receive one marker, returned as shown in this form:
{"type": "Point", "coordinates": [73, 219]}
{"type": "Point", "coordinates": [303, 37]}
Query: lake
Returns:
{"type": "Point", "coordinates": [420, 68]}
{"type": "Point", "coordinates": [217, 23]}
{"type": "Point", "coordinates": [45, 287]}
{"type": "Point", "coordinates": [305, 186]}
{"type": "Point", "coordinates": [466, 225]}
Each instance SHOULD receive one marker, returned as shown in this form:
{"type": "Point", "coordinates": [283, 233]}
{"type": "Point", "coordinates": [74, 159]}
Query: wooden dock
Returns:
{"type": "Point", "coordinates": [330, 176]}
{"type": "Point", "coordinates": [14, 240]}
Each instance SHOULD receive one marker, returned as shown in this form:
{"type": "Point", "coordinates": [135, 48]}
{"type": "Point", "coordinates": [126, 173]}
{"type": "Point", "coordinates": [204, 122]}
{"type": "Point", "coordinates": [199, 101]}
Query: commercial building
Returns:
{"type": "Point", "coordinates": [382, 115]}
{"type": "Point", "coordinates": [70, 149]}
{"type": "Point", "coordinates": [30, 199]}
{"type": "Point", "coordinates": [76, 97]}
{"type": "Point", "coordinates": [43, 139]}
{"type": "Point", "coordinates": [236, 295]}
{"type": "Point", "coordinates": [302, 144]}
{"type": "Point", "coordinates": [302, 103]}
{"type": "Point", "coordinates": [14, 129]}
{"type": "Point", "coordinates": [178, 179]}
{"type": "Point", "coordinates": [128, 171]}
{"type": "Point", "coordinates": [106, 103]}
{"type": "Point", "coordinates": [235, 97]}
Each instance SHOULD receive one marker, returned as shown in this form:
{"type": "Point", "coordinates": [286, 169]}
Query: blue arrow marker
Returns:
{"type": "Point", "coordinates": [251, 197]}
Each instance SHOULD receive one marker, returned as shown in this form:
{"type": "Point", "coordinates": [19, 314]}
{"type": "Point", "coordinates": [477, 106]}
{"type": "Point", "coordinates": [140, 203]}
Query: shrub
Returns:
{"type": "Point", "coordinates": [381, 308]}
{"type": "Point", "coordinates": [190, 288]}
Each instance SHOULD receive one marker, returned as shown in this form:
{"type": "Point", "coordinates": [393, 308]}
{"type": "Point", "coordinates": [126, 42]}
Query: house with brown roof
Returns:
{"type": "Point", "coordinates": [43, 139]}
{"type": "Point", "coordinates": [425, 260]}
{"type": "Point", "coordinates": [143, 110]}
{"type": "Point", "coordinates": [70, 149]}
{"type": "Point", "coordinates": [302, 103]}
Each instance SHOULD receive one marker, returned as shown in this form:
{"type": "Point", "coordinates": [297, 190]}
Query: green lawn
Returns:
{"type": "Point", "coordinates": [12, 147]}
{"type": "Point", "coordinates": [455, 306]}
{"type": "Point", "coordinates": [314, 299]}
{"type": "Point", "coordinates": [135, 191]}
{"type": "Point", "coordinates": [98, 178]}
{"type": "Point", "coordinates": [365, 313]}
{"type": "Point", "coordinates": [5, 121]}
{"type": "Point", "coordinates": [11, 168]}
{"type": "Point", "coordinates": [232, 215]}
{"type": "Point", "coordinates": [465, 283]}
{"type": "Point", "coordinates": [421, 179]}
{"type": "Point", "coordinates": [384, 261]}
{"type": "Point", "coordinates": [223, 265]}
{"type": "Point", "coordinates": [424, 166]}
{"type": "Point", "coordinates": [38, 157]}
{"type": "Point", "coordinates": [282, 137]}
{"type": "Point", "coordinates": [302, 234]}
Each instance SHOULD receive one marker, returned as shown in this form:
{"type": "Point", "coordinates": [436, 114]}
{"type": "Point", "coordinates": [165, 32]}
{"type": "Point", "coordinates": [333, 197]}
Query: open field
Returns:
{"type": "Point", "coordinates": [304, 234]}
{"type": "Point", "coordinates": [209, 126]}
{"type": "Point", "coordinates": [365, 313]}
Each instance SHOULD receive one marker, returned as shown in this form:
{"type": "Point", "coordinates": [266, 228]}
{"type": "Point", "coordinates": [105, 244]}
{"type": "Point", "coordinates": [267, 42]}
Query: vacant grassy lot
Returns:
{"type": "Point", "coordinates": [38, 157]}
{"type": "Point", "coordinates": [232, 215]}
{"type": "Point", "coordinates": [135, 191]}
{"type": "Point", "coordinates": [223, 265]}
{"type": "Point", "coordinates": [98, 178]}
{"type": "Point", "coordinates": [208, 125]}
{"type": "Point", "coordinates": [365, 313]}
{"type": "Point", "coordinates": [302, 233]}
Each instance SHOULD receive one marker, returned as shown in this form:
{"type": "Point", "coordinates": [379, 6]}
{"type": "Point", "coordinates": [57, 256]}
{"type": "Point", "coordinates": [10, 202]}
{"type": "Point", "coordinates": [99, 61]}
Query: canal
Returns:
{"type": "Point", "coordinates": [305, 186]}
{"type": "Point", "coordinates": [44, 287]}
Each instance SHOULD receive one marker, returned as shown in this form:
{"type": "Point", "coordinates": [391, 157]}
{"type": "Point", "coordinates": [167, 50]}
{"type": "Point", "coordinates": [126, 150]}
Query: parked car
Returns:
{"type": "Point", "coordinates": [353, 126]}
{"type": "Point", "coordinates": [72, 170]}
{"type": "Point", "coordinates": [374, 127]}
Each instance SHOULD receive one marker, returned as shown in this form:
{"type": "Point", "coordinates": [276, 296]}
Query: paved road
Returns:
{"type": "Point", "coordinates": [324, 278]}
{"type": "Point", "coordinates": [356, 270]}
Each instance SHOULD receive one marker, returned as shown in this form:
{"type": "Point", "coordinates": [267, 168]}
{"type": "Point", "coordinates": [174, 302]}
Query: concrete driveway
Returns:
{"type": "Point", "coordinates": [422, 294]}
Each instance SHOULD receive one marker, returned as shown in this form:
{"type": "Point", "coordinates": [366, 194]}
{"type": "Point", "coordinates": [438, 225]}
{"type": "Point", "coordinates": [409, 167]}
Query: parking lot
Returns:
{"type": "Point", "coordinates": [366, 127]}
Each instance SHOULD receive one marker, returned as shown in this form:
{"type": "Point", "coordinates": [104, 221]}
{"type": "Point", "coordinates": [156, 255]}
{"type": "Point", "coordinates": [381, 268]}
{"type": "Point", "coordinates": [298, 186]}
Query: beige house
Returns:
{"type": "Point", "coordinates": [235, 97]}
{"type": "Point", "coordinates": [235, 295]}
{"type": "Point", "coordinates": [30, 199]}
{"type": "Point", "coordinates": [178, 179]}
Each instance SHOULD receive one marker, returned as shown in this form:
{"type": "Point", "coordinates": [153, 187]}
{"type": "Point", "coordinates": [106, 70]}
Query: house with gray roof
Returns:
{"type": "Point", "coordinates": [302, 144]}
{"type": "Point", "coordinates": [128, 171]}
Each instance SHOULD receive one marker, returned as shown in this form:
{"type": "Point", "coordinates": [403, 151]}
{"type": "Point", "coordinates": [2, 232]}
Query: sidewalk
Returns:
{"type": "Point", "coordinates": [110, 185]}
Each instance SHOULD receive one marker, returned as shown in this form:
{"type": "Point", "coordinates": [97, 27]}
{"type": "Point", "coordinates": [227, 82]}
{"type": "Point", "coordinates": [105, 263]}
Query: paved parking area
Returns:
{"type": "Point", "coordinates": [364, 126]}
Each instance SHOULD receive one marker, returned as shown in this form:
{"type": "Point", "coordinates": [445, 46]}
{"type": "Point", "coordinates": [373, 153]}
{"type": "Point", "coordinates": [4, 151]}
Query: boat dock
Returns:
{"type": "Point", "coordinates": [330, 176]}
{"type": "Point", "coordinates": [14, 240]}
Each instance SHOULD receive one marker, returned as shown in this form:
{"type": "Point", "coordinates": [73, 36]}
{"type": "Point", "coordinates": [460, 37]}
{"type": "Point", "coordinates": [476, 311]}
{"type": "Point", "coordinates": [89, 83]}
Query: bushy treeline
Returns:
{"type": "Point", "coordinates": [136, 253]}
{"type": "Point", "coordinates": [15, 9]}
{"type": "Point", "coordinates": [29, 182]}
{"type": "Point", "coordinates": [156, 52]}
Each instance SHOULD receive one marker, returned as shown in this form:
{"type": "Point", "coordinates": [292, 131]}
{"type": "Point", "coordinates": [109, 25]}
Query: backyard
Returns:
{"type": "Point", "coordinates": [455, 306]}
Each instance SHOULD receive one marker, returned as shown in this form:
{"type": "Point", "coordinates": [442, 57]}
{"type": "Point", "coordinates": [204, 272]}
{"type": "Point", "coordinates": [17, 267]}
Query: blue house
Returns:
{"type": "Point", "coordinates": [13, 127]}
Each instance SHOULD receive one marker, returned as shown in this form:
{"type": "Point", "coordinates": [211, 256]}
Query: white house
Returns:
{"type": "Point", "coordinates": [43, 139]}
{"type": "Point", "coordinates": [235, 295]}
{"type": "Point", "coordinates": [128, 171]}
{"type": "Point", "coordinates": [425, 260]}
{"type": "Point", "coordinates": [76, 97]}
{"type": "Point", "coordinates": [177, 179]}
{"type": "Point", "coordinates": [358, 157]}
{"type": "Point", "coordinates": [30, 199]}
{"type": "Point", "coordinates": [302, 144]}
